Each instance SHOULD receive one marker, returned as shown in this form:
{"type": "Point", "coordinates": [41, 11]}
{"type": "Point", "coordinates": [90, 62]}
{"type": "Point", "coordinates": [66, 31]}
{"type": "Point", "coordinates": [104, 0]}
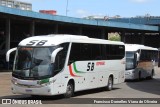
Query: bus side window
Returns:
{"type": "Point", "coordinates": [74, 53]}
{"type": "Point", "coordinates": [60, 58]}
{"type": "Point", "coordinates": [59, 62]}
{"type": "Point", "coordinates": [96, 52]}
{"type": "Point", "coordinates": [86, 50]}
{"type": "Point", "coordinates": [142, 56]}
{"type": "Point", "coordinates": [115, 51]}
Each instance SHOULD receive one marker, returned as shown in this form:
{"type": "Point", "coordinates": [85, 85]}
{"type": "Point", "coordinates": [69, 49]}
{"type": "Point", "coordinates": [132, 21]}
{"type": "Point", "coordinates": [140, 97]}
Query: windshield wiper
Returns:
{"type": "Point", "coordinates": [26, 68]}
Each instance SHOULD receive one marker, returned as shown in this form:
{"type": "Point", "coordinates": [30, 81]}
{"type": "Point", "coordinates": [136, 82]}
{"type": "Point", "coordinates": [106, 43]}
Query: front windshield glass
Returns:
{"type": "Point", "coordinates": [33, 62]}
{"type": "Point", "coordinates": [130, 60]}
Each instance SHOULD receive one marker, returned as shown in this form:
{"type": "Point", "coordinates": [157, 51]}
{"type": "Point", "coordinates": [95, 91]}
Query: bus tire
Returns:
{"type": "Point", "coordinates": [110, 84]}
{"type": "Point", "coordinates": [152, 73]}
{"type": "Point", "coordinates": [69, 91]}
{"type": "Point", "coordinates": [139, 76]}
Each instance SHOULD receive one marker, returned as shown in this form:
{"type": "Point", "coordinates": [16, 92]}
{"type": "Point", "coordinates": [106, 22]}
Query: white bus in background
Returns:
{"type": "Point", "coordinates": [64, 64]}
{"type": "Point", "coordinates": [140, 61]}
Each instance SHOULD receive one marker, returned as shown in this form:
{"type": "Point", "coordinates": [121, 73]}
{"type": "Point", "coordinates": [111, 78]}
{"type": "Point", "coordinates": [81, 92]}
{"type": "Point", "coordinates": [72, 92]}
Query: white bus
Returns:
{"type": "Point", "coordinates": [64, 64]}
{"type": "Point", "coordinates": [140, 61]}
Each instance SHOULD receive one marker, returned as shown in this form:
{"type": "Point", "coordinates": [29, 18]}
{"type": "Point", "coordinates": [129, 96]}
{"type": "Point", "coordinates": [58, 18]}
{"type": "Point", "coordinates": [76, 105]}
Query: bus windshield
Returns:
{"type": "Point", "coordinates": [130, 60]}
{"type": "Point", "coordinates": [33, 63]}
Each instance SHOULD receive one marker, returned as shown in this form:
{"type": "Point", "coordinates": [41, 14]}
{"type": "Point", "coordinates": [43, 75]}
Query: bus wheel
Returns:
{"type": "Point", "coordinates": [139, 76]}
{"type": "Point", "coordinates": [152, 73]}
{"type": "Point", "coordinates": [110, 83]}
{"type": "Point", "coordinates": [69, 91]}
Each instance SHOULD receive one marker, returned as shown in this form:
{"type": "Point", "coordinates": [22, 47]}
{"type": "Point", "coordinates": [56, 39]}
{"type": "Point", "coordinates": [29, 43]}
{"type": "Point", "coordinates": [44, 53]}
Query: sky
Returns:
{"type": "Point", "coordinates": [83, 8]}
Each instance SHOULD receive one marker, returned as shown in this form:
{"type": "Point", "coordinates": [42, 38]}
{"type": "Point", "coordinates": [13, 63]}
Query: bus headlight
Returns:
{"type": "Point", "coordinates": [14, 81]}
{"type": "Point", "coordinates": [133, 71]}
{"type": "Point", "coordinates": [45, 82]}
{"type": "Point", "coordinates": [127, 73]}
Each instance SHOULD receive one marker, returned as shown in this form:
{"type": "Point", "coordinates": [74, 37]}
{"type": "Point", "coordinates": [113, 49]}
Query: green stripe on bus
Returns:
{"type": "Point", "coordinates": [75, 69]}
{"type": "Point", "coordinates": [44, 81]}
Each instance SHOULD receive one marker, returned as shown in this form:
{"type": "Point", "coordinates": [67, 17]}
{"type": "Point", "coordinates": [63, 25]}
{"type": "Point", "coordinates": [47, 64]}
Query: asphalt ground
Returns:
{"type": "Point", "coordinates": [146, 88]}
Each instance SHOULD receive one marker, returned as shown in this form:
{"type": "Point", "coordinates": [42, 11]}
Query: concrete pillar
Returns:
{"type": "Point", "coordinates": [32, 28]}
{"type": "Point", "coordinates": [8, 30]}
{"type": "Point", "coordinates": [123, 37]}
{"type": "Point", "coordinates": [80, 31]}
{"type": "Point", "coordinates": [106, 35]}
{"type": "Point", "coordinates": [159, 40]}
{"type": "Point", "coordinates": [56, 29]}
{"type": "Point", "coordinates": [143, 39]}
{"type": "Point", "coordinates": [103, 34]}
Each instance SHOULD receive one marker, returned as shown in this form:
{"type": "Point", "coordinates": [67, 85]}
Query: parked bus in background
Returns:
{"type": "Point", "coordinates": [64, 64]}
{"type": "Point", "coordinates": [140, 61]}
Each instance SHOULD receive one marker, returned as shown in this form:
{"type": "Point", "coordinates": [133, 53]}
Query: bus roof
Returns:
{"type": "Point", "coordinates": [135, 47]}
{"type": "Point", "coordinates": [56, 39]}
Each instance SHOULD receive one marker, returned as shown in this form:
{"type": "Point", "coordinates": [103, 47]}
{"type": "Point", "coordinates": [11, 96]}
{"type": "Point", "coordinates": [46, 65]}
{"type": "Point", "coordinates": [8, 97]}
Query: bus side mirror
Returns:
{"type": "Point", "coordinates": [54, 53]}
{"type": "Point", "coordinates": [137, 56]}
{"type": "Point", "coordinates": [9, 52]}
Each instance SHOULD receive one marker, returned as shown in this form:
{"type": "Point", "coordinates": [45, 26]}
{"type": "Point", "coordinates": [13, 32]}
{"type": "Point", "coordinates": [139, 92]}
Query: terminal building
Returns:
{"type": "Point", "coordinates": [17, 24]}
{"type": "Point", "coordinates": [16, 4]}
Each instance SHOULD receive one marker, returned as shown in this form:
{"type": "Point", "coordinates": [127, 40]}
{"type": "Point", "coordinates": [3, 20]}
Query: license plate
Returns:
{"type": "Point", "coordinates": [28, 90]}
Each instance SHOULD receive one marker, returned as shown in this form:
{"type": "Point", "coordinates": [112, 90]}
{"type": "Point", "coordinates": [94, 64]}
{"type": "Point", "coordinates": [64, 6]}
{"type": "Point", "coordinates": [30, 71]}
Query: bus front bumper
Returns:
{"type": "Point", "coordinates": [45, 90]}
{"type": "Point", "coordinates": [129, 75]}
